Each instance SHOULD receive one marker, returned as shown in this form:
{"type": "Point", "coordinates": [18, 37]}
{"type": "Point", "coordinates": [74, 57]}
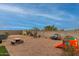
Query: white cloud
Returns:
{"type": "Point", "coordinates": [19, 10]}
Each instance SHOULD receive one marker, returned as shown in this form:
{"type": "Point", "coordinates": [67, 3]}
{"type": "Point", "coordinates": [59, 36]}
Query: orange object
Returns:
{"type": "Point", "coordinates": [74, 43]}
{"type": "Point", "coordinates": [59, 45]}
{"type": "Point", "coordinates": [68, 42]}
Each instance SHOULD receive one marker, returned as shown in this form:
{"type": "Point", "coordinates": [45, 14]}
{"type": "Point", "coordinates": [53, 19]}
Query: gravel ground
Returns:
{"type": "Point", "coordinates": [33, 47]}
{"type": "Point", "coordinates": [36, 46]}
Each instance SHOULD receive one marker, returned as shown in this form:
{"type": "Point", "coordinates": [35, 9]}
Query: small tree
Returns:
{"type": "Point", "coordinates": [50, 28]}
{"type": "Point", "coordinates": [54, 28]}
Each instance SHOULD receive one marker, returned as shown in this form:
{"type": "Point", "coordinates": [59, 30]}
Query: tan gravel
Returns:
{"type": "Point", "coordinates": [32, 47]}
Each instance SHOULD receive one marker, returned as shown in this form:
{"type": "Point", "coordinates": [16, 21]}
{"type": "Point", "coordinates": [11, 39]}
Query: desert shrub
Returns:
{"type": "Point", "coordinates": [29, 33]}
{"type": "Point", "coordinates": [6, 33]}
{"type": "Point", "coordinates": [69, 51]}
{"type": "Point", "coordinates": [39, 36]}
{"type": "Point", "coordinates": [35, 34]}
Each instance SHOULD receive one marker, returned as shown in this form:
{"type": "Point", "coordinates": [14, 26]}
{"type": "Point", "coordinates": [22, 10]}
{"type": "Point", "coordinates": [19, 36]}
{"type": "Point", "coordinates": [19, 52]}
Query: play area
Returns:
{"type": "Point", "coordinates": [69, 44]}
{"type": "Point", "coordinates": [68, 41]}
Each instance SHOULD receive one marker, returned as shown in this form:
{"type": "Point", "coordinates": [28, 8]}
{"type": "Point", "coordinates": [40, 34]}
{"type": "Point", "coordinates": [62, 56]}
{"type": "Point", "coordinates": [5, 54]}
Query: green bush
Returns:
{"type": "Point", "coordinates": [50, 28]}
{"type": "Point", "coordinates": [3, 51]}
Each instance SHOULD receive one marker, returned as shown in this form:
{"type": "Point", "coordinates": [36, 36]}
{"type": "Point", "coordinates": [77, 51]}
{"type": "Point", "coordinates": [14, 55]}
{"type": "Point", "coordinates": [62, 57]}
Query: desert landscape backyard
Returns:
{"type": "Point", "coordinates": [39, 29]}
{"type": "Point", "coordinates": [42, 46]}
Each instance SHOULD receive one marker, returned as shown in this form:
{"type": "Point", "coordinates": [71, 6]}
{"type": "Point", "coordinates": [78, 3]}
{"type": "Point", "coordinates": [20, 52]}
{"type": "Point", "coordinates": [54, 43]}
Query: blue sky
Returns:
{"type": "Point", "coordinates": [26, 16]}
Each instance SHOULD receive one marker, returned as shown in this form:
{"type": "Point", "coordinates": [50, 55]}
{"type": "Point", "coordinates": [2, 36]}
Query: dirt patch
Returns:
{"type": "Point", "coordinates": [33, 47]}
